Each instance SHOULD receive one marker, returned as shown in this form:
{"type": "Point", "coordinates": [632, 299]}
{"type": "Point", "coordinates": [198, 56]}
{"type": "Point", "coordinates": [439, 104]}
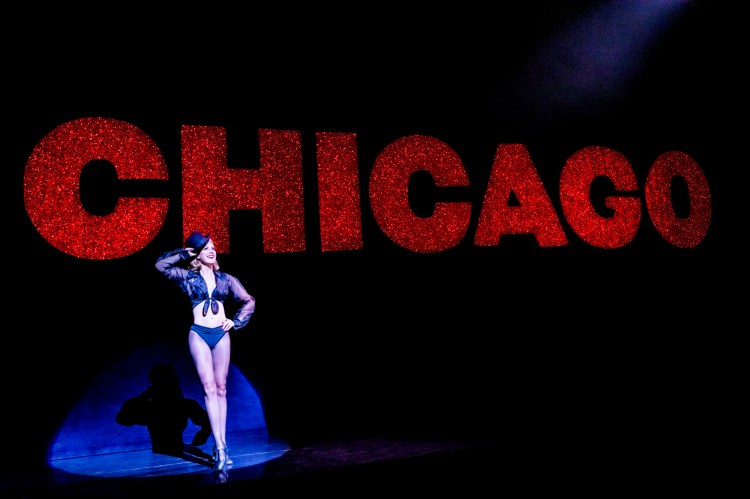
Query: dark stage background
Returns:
{"type": "Point", "coordinates": [627, 353]}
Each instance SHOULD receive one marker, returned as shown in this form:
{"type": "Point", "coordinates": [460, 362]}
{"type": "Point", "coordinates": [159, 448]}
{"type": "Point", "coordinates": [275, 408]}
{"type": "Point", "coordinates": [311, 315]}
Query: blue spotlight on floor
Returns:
{"type": "Point", "coordinates": [92, 443]}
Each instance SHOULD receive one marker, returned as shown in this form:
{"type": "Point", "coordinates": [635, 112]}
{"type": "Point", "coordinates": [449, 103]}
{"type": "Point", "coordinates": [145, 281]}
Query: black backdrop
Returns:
{"type": "Point", "coordinates": [622, 349]}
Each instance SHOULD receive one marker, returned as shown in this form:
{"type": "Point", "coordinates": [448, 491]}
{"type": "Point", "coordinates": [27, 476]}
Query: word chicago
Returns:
{"type": "Point", "coordinates": [211, 190]}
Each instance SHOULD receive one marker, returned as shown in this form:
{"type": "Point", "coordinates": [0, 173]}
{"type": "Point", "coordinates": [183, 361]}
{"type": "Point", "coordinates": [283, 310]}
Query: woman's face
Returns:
{"type": "Point", "coordinates": [207, 256]}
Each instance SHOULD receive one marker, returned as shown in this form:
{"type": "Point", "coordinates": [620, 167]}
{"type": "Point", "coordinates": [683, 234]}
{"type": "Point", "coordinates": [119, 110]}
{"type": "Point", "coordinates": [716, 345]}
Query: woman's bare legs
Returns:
{"type": "Point", "coordinates": [213, 367]}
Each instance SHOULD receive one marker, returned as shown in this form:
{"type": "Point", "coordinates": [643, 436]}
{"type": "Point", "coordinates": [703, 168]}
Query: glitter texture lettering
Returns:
{"type": "Point", "coordinates": [52, 188]}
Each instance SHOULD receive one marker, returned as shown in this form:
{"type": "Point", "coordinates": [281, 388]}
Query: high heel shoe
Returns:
{"type": "Point", "coordinates": [220, 459]}
{"type": "Point", "coordinates": [227, 459]}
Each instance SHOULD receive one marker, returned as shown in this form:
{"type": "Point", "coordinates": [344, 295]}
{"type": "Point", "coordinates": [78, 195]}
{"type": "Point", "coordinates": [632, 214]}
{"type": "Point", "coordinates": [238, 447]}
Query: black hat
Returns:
{"type": "Point", "coordinates": [197, 240]}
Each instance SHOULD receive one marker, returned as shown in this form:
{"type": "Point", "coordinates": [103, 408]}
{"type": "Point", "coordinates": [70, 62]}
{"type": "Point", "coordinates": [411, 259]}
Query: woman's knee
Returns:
{"type": "Point", "coordinates": [210, 389]}
{"type": "Point", "coordinates": [221, 389]}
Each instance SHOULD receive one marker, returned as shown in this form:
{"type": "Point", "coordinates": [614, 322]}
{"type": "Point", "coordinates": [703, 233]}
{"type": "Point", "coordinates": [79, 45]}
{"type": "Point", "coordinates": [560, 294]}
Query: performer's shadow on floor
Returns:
{"type": "Point", "coordinates": [194, 454]}
{"type": "Point", "coordinates": [165, 411]}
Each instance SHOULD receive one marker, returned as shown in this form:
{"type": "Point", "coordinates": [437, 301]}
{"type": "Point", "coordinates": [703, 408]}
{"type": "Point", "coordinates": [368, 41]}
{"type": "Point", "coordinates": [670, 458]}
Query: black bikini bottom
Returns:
{"type": "Point", "coordinates": [211, 335]}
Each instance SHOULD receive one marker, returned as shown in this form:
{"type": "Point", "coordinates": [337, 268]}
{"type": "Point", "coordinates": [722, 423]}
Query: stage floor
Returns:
{"type": "Point", "coordinates": [377, 462]}
{"type": "Point", "coordinates": [392, 465]}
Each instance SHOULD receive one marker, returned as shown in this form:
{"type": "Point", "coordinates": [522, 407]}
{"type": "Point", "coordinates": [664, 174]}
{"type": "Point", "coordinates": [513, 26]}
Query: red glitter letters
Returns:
{"type": "Point", "coordinates": [211, 190]}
